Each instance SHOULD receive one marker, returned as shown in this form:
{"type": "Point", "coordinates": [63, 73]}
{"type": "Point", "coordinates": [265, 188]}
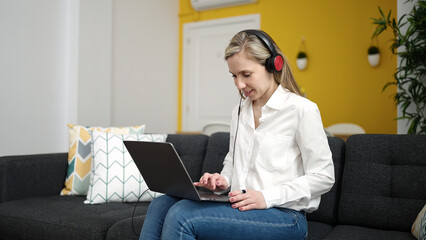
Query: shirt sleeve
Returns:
{"type": "Point", "coordinates": [317, 164]}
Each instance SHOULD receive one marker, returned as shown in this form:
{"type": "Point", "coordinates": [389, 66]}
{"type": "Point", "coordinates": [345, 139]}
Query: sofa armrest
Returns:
{"type": "Point", "coordinates": [28, 176]}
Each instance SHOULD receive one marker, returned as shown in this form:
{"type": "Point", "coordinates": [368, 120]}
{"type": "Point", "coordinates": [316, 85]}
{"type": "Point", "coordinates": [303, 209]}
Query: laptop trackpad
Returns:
{"type": "Point", "coordinates": [208, 196]}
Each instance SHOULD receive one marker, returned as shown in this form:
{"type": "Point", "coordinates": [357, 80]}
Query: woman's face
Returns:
{"type": "Point", "coordinates": [251, 78]}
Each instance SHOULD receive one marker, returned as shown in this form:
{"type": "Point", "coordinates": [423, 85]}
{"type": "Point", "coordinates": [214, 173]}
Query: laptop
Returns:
{"type": "Point", "coordinates": [164, 172]}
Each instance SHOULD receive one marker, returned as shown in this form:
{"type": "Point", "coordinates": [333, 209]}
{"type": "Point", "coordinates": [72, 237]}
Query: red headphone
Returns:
{"type": "Point", "coordinates": [275, 62]}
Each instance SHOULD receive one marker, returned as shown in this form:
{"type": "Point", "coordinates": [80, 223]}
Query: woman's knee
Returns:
{"type": "Point", "coordinates": [178, 219]}
{"type": "Point", "coordinates": [159, 207]}
{"type": "Point", "coordinates": [182, 210]}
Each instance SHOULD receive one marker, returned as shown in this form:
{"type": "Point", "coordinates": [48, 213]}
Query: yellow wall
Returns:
{"type": "Point", "coordinates": [337, 34]}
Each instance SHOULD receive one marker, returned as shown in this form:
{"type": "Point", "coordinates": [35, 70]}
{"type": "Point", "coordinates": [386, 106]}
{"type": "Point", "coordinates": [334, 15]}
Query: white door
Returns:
{"type": "Point", "coordinates": [209, 94]}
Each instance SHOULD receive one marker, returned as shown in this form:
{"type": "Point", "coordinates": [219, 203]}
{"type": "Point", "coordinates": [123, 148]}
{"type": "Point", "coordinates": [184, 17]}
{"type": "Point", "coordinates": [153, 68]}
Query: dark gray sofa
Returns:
{"type": "Point", "coordinates": [379, 190]}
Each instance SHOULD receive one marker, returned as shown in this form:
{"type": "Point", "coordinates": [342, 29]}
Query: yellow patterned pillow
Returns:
{"type": "Point", "coordinates": [419, 226]}
{"type": "Point", "coordinates": [80, 155]}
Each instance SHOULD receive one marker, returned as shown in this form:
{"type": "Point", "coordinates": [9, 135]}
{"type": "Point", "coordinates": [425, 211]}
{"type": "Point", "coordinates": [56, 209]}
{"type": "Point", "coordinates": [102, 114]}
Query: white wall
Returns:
{"type": "Point", "coordinates": [145, 64]}
{"type": "Point", "coordinates": [33, 96]}
{"type": "Point", "coordinates": [84, 62]}
{"type": "Point", "coordinates": [94, 62]}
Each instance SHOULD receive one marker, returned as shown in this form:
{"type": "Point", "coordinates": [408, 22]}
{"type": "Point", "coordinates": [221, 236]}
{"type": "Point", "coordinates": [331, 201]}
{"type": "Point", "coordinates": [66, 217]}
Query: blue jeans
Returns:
{"type": "Point", "coordinates": [174, 218]}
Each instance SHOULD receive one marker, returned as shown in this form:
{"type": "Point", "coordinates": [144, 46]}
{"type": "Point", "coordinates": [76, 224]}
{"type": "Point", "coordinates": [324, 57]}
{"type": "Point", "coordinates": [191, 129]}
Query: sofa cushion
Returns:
{"type": "Point", "coordinates": [419, 226]}
{"type": "Point", "coordinates": [356, 233]}
{"type": "Point", "coordinates": [62, 217]}
{"type": "Point", "coordinates": [217, 148]}
{"type": "Point", "coordinates": [80, 157]}
{"type": "Point", "coordinates": [318, 230]}
{"type": "Point", "coordinates": [327, 211]}
{"type": "Point", "coordinates": [191, 149]}
{"type": "Point", "coordinates": [115, 176]}
{"type": "Point", "coordinates": [126, 229]}
{"type": "Point", "coordinates": [383, 182]}
{"type": "Point", "coordinates": [29, 176]}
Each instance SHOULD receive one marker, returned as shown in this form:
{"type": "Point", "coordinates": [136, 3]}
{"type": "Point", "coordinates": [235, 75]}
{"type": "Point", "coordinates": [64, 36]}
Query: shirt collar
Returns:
{"type": "Point", "coordinates": [277, 100]}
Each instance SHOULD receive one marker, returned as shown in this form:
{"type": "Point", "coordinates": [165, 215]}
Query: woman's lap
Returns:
{"type": "Point", "coordinates": [156, 215]}
{"type": "Point", "coordinates": [187, 219]}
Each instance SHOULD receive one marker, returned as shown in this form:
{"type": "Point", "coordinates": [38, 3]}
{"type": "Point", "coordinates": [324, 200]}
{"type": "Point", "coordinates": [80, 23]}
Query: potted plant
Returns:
{"type": "Point", "coordinates": [302, 60]}
{"type": "Point", "coordinates": [373, 56]}
{"type": "Point", "coordinates": [410, 76]}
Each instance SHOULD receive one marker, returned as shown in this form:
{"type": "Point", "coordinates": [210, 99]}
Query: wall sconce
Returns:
{"type": "Point", "coordinates": [302, 57]}
{"type": "Point", "coordinates": [373, 56]}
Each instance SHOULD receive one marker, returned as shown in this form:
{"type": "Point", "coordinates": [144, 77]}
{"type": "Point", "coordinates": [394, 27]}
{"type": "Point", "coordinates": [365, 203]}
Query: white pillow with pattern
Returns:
{"type": "Point", "coordinates": [115, 177]}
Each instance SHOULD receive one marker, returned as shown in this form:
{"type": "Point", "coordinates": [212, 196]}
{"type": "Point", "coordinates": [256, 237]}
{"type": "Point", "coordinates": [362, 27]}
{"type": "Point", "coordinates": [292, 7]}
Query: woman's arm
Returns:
{"type": "Point", "coordinates": [317, 165]}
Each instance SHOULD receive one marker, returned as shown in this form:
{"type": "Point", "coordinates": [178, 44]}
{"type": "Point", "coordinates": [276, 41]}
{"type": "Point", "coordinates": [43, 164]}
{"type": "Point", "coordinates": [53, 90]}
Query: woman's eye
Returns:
{"type": "Point", "coordinates": [247, 74]}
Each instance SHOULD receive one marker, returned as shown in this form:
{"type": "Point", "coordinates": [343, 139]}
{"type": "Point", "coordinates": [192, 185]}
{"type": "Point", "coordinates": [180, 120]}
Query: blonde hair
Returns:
{"type": "Point", "coordinates": [256, 50]}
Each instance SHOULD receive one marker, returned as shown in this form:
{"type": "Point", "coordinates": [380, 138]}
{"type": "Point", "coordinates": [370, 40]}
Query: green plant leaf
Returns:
{"type": "Point", "coordinates": [410, 76]}
{"type": "Point", "coordinates": [387, 85]}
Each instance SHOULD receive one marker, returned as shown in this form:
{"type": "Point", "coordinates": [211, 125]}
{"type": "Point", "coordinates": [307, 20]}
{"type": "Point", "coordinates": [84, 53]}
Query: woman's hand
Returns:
{"type": "Point", "coordinates": [214, 182]}
{"type": "Point", "coordinates": [246, 201]}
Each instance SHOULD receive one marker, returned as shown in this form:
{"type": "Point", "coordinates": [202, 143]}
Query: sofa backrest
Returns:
{"type": "Point", "coordinates": [217, 148]}
{"type": "Point", "coordinates": [29, 176]}
{"type": "Point", "coordinates": [384, 181]}
{"type": "Point", "coordinates": [191, 149]}
{"type": "Point", "coordinates": [327, 211]}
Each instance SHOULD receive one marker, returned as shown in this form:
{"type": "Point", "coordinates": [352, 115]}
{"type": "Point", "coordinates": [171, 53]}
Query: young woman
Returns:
{"type": "Point", "coordinates": [279, 162]}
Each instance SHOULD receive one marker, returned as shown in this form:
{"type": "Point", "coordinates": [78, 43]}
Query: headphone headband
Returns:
{"type": "Point", "coordinates": [264, 38]}
{"type": "Point", "coordinates": [274, 63]}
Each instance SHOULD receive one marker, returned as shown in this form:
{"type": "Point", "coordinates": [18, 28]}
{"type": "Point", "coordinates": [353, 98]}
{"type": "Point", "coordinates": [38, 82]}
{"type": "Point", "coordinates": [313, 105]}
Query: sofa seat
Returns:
{"type": "Point", "coordinates": [66, 217]}
{"type": "Point", "coordinates": [349, 232]}
{"type": "Point", "coordinates": [318, 230]}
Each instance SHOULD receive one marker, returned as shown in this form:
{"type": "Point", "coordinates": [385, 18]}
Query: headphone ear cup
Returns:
{"type": "Point", "coordinates": [278, 63]}
{"type": "Point", "coordinates": [269, 65]}
{"type": "Point", "coordinates": [274, 63]}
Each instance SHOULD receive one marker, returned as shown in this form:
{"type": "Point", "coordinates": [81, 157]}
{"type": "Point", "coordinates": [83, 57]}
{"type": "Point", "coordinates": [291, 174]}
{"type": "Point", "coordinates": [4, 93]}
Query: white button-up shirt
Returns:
{"type": "Point", "coordinates": [287, 157]}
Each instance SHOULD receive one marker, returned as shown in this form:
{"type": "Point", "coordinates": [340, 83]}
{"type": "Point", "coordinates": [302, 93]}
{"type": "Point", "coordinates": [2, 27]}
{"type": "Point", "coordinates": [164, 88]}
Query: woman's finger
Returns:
{"type": "Point", "coordinates": [205, 178]}
{"type": "Point", "coordinates": [248, 207]}
{"type": "Point", "coordinates": [212, 182]}
{"type": "Point", "coordinates": [246, 201]}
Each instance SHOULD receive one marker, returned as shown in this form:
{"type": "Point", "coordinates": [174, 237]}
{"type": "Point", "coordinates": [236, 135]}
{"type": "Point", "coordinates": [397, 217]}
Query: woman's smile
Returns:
{"type": "Point", "coordinates": [249, 92]}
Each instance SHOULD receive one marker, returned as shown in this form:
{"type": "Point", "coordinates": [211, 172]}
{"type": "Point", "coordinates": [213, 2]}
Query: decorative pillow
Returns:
{"type": "Point", "coordinates": [419, 226]}
{"type": "Point", "coordinates": [115, 177]}
{"type": "Point", "coordinates": [80, 156]}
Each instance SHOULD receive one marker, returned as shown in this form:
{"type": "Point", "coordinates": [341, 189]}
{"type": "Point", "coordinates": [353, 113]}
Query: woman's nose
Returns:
{"type": "Point", "coordinates": [239, 84]}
